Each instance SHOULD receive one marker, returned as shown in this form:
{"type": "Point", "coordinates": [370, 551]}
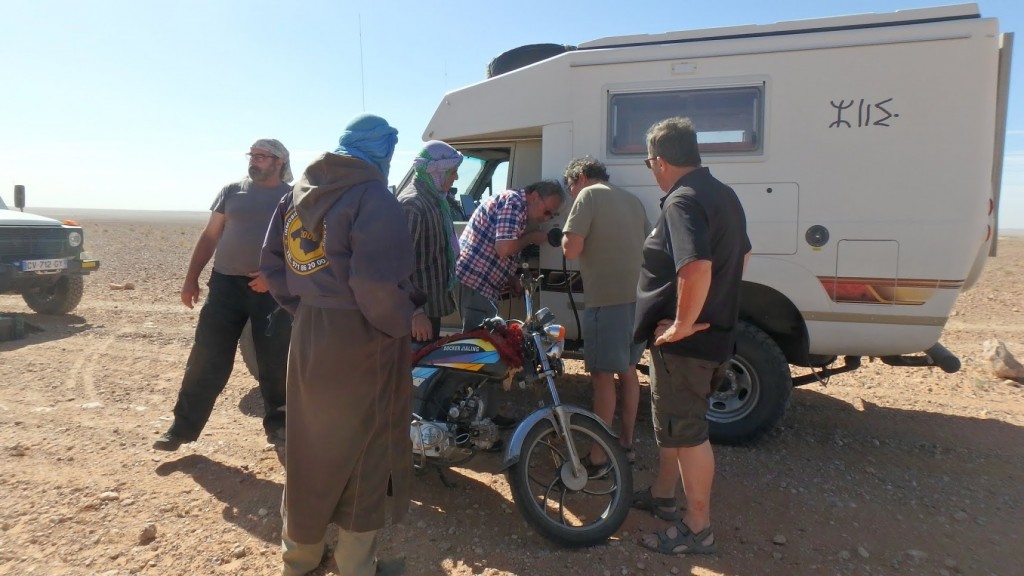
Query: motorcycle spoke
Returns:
{"type": "Point", "coordinates": [557, 459]}
{"type": "Point", "coordinates": [612, 487]}
{"type": "Point", "coordinates": [547, 499]}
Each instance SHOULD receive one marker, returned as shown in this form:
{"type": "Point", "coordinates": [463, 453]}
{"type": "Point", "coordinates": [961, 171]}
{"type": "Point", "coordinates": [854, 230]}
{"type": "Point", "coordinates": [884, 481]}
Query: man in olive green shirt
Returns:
{"type": "Point", "coordinates": [605, 230]}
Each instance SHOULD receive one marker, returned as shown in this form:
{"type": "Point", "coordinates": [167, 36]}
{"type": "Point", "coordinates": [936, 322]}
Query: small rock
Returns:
{"type": "Point", "coordinates": [960, 515]}
{"type": "Point", "coordinates": [779, 540]}
{"type": "Point", "coordinates": [844, 555]}
{"type": "Point", "coordinates": [238, 552]}
{"type": "Point", "coordinates": [148, 533]}
{"type": "Point", "coordinates": [92, 405]}
{"type": "Point", "coordinates": [674, 570]}
{"type": "Point", "coordinates": [777, 555]}
{"type": "Point", "coordinates": [863, 552]}
{"type": "Point", "coordinates": [263, 512]}
{"type": "Point", "coordinates": [1001, 361]}
{"type": "Point", "coordinates": [109, 496]}
{"type": "Point", "coordinates": [916, 555]}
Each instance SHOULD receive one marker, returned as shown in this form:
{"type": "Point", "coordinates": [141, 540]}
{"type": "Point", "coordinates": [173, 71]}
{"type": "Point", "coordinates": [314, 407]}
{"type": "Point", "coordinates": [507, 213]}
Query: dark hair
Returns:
{"type": "Point", "coordinates": [675, 141]}
{"type": "Point", "coordinates": [588, 166]}
{"type": "Point", "coordinates": [546, 189]}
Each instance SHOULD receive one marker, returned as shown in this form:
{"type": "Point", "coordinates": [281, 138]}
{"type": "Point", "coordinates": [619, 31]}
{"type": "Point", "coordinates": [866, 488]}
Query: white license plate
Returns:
{"type": "Point", "coordinates": [44, 265]}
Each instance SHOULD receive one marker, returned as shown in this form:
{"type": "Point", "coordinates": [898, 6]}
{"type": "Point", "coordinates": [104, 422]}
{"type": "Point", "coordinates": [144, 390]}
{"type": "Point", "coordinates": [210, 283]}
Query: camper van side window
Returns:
{"type": "Point", "coordinates": [728, 120]}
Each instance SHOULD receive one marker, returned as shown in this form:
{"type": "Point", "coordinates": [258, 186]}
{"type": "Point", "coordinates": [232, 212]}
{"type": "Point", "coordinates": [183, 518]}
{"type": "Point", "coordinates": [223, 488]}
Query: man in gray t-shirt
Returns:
{"type": "Point", "coordinates": [605, 231]}
{"type": "Point", "coordinates": [233, 238]}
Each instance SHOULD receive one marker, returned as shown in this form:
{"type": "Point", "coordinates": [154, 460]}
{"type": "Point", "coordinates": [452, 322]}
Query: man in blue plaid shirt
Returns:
{"type": "Point", "coordinates": [491, 243]}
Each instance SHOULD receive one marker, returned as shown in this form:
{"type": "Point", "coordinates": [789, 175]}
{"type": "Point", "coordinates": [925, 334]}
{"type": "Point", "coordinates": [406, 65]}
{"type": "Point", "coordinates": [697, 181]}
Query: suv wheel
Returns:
{"type": "Point", "coordinates": [60, 297]}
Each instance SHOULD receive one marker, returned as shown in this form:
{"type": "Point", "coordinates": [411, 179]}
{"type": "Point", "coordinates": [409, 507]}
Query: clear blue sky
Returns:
{"type": "Point", "coordinates": [150, 105]}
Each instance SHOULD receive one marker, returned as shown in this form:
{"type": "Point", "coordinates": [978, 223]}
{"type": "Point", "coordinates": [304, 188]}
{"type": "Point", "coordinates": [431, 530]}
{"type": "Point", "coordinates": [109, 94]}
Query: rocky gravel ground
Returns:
{"type": "Point", "coordinates": [881, 471]}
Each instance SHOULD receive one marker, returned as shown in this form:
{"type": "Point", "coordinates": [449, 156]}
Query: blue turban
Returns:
{"type": "Point", "coordinates": [370, 138]}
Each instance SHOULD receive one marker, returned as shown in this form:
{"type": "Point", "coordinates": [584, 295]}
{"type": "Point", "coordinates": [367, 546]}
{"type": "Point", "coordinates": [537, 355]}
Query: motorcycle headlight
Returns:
{"type": "Point", "coordinates": [75, 239]}
{"type": "Point", "coordinates": [556, 349]}
{"type": "Point", "coordinates": [554, 332]}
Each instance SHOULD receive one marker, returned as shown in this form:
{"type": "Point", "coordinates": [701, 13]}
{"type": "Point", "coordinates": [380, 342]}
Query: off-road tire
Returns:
{"type": "Point", "coordinates": [760, 387]}
{"type": "Point", "coordinates": [524, 56]}
{"type": "Point", "coordinates": [61, 297]}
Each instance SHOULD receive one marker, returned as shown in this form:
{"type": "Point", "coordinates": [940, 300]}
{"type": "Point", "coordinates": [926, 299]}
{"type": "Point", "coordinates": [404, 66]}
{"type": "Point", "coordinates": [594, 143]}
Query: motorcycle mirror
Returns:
{"type": "Point", "coordinates": [555, 237]}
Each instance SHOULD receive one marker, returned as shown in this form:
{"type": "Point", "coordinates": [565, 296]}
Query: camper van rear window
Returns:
{"type": "Point", "coordinates": [728, 120]}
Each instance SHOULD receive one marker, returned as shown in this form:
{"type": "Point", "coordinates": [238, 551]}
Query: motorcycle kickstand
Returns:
{"type": "Point", "coordinates": [444, 478]}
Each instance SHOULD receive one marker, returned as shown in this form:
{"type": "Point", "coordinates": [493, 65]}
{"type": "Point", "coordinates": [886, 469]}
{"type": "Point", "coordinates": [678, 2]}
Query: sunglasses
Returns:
{"type": "Point", "coordinates": [647, 162]}
{"type": "Point", "coordinates": [260, 157]}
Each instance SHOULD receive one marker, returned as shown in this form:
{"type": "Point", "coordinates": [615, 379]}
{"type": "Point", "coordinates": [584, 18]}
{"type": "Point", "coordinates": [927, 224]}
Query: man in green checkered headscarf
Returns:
{"type": "Point", "coordinates": [432, 226]}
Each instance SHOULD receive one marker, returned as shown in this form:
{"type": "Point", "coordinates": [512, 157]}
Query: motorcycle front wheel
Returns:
{"type": "Point", "coordinates": [571, 511]}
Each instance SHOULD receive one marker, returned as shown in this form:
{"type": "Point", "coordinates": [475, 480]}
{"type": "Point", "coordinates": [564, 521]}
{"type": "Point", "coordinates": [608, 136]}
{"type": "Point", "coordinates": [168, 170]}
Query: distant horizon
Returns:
{"type": "Point", "coordinates": [170, 216]}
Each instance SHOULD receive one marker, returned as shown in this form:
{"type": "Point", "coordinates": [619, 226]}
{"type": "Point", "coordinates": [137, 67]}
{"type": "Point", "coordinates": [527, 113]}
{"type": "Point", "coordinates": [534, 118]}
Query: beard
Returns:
{"type": "Point", "coordinates": [256, 174]}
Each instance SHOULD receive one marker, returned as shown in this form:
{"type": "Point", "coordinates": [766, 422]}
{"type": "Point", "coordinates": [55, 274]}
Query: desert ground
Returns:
{"type": "Point", "coordinates": [881, 471]}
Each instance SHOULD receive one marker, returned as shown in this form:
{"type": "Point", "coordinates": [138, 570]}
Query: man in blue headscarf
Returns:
{"type": "Point", "coordinates": [431, 223]}
{"type": "Point", "coordinates": [338, 256]}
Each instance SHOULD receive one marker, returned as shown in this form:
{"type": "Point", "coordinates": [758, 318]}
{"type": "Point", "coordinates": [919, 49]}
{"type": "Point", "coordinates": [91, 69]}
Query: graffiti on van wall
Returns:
{"type": "Point", "coordinates": [867, 114]}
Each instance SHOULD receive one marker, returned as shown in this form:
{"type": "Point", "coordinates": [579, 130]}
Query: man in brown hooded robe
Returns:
{"type": "Point", "coordinates": [338, 256]}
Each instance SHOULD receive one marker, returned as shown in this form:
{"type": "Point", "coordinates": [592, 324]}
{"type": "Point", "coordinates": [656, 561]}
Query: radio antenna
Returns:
{"type": "Point", "coordinates": [362, 77]}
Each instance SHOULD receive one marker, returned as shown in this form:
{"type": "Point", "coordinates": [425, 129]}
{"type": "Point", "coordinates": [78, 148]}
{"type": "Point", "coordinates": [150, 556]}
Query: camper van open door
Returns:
{"type": "Point", "coordinates": [871, 188]}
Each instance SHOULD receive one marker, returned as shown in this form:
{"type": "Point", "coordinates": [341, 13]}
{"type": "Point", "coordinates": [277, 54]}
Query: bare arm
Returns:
{"type": "Point", "coordinates": [201, 254]}
{"type": "Point", "coordinates": [694, 280]}
{"type": "Point", "coordinates": [572, 245]}
{"type": "Point", "coordinates": [506, 248]}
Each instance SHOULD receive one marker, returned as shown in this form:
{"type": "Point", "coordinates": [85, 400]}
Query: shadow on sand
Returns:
{"type": "Point", "coordinates": [41, 328]}
{"type": "Point", "coordinates": [242, 493]}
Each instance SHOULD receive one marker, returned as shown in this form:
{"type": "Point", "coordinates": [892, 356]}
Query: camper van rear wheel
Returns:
{"type": "Point", "coordinates": [754, 393]}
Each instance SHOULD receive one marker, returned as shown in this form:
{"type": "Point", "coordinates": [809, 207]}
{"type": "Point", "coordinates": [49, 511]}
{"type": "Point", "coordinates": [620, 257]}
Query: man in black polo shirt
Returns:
{"type": "Point", "coordinates": [687, 307]}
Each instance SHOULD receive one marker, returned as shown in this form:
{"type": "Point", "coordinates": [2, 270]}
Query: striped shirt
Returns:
{"type": "Point", "coordinates": [426, 225]}
{"type": "Point", "coordinates": [500, 217]}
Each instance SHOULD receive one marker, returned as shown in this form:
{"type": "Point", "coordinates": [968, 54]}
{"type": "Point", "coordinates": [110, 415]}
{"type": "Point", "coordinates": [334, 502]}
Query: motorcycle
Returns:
{"type": "Point", "coordinates": [555, 487]}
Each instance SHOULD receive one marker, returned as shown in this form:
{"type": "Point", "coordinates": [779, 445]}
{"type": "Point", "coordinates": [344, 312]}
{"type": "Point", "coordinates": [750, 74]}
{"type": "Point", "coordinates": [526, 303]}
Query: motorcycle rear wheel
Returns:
{"type": "Point", "coordinates": [572, 518]}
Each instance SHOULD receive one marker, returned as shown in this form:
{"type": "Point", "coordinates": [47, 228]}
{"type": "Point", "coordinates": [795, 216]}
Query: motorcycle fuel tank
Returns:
{"type": "Point", "coordinates": [471, 354]}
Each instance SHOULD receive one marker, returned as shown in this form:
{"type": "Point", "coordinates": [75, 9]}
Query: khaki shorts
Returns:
{"type": "Point", "coordinates": [680, 388]}
{"type": "Point", "coordinates": [608, 339]}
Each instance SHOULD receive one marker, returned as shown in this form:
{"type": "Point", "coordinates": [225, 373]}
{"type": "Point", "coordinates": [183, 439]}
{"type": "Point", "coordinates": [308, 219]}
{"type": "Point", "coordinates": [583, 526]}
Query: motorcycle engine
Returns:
{"type": "Point", "coordinates": [457, 439]}
{"type": "Point", "coordinates": [485, 434]}
{"type": "Point", "coordinates": [430, 438]}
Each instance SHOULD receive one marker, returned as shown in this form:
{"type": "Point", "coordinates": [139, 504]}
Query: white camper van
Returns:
{"type": "Point", "coordinates": [866, 150]}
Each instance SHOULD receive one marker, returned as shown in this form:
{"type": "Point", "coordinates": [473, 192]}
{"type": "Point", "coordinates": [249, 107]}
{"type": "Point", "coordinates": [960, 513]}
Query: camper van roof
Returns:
{"type": "Point", "coordinates": [900, 17]}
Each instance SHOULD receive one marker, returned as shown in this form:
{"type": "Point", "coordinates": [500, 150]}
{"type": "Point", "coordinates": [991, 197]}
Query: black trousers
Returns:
{"type": "Point", "coordinates": [230, 303]}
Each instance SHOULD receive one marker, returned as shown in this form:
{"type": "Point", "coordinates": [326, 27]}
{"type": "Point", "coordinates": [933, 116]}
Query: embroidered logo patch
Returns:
{"type": "Point", "coordinates": [303, 254]}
